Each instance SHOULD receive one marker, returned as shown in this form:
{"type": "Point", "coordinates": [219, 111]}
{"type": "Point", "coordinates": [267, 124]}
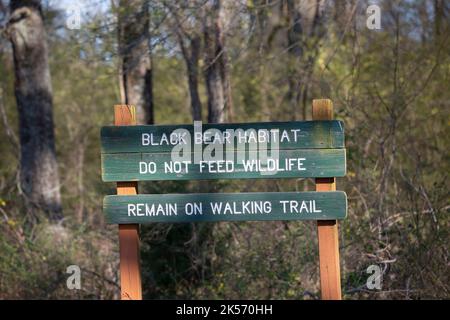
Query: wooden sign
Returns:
{"type": "Point", "coordinates": [267, 206]}
{"type": "Point", "coordinates": [288, 164]}
{"type": "Point", "coordinates": [277, 135]}
{"type": "Point", "coordinates": [316, 149]}
{"type": "Point", "coordinates": [224, 151]}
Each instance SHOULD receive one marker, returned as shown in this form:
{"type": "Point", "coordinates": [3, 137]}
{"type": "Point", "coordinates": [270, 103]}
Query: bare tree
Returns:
{"type": "Point", "coordinates": [305, 30]}
{"type": "Point", "coordinates": [191, 56]}
{"type": "Point", "coordinates": [33, 91]}
{"type": "Point", "coordinates": [441, 12]}
{"type": "Point", "coordinates": [134, 47]}
{"type": "Point", "coordinates": [186, 22]}
{"type": "Point", "coordinates": [216, 62]}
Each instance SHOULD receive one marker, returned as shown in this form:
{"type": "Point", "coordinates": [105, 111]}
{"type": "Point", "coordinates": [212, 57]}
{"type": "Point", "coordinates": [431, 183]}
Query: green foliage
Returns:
{"type": "Point", "coordinates": [389, 86]}
{"type": "Point", "coordinates": [34, 261]}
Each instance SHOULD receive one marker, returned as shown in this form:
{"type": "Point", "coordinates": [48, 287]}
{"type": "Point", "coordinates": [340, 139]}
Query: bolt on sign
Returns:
{"type": "Point", "coordinates": [297, 149]}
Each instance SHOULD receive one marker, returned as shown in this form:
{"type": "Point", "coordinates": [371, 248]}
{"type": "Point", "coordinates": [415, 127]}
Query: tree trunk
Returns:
{"type": "Point", "coordinates": [295, 50]}
{"type": "Point", "coordinates": [305, 30]}
{"type": "Point", "coordinates": [134, 47]}
{"type": "Point", "coordinates": [441, 10]}
{"type": "Point", "coordinates": [193, 79]}
{"type": "Point", "coordinates": [191, 58]}
{"type": "Point", "coordinates": [216, 70]}
{"type": "Point", "coordinates": [33, 90]}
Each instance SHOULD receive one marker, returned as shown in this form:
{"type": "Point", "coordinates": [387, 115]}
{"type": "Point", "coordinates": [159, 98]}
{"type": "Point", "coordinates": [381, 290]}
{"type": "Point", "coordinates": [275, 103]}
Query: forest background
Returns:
{"type": "Point", "coordinates": [64, 64]}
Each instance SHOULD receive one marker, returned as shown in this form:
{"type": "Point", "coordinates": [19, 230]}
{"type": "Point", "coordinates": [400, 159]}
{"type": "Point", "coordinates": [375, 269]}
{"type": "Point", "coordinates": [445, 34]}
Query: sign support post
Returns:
{"type": "Point", "coordinates": [314, 149]}
{"type": "Point", "coordinates": [130, 273]}
{"type": "Point", "coordinates": [327, 230]}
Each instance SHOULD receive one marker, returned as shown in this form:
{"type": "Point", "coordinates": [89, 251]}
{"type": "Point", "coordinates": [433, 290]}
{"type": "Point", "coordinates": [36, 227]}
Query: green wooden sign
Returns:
{"type": "Point", "coordinates": [269, 135]}
{"type": "Point", "coordinates": [174, 208]}
{"type": "Point", "coordinates": [243, 165]}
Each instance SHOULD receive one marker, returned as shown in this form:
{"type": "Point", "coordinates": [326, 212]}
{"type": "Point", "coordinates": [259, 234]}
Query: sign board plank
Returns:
{"type": "Point", "coordinates": [267, 135]}
{"type": "Point", "coordinates": [243, 165]}
{"type": "Point", "coordinates": [268, 206]}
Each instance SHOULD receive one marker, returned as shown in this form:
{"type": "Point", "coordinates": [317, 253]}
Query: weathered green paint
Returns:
{"type": "Point", "coordinates": [301, 134]}
{"type": "Point", "coordinates": [233, 207]}
{"type": "Point", "coordinates": [317, 163]}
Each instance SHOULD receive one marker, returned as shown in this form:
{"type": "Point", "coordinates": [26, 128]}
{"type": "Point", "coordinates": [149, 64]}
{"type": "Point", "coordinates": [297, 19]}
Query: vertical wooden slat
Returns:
{"type": "Point", "coordinates": [130, 271]}
{"type": "Point", "coordinates": [327, 231]}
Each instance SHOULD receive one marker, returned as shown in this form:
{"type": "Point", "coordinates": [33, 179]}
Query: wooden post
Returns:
{"type": "Point", "coordinates": [130, 271]}
{"type": "Point", "coordinates": [327, 230]}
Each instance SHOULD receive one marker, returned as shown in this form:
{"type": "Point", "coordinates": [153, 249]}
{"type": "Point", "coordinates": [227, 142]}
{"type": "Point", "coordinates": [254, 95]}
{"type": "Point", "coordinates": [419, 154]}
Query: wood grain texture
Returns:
{"type": "Point", "coordinates": [214, 207]}
{"type": "Point", "coordinates": [301, 135]}
{"type": "Point", "coordinates": [327, 230]}
{"type": "Point", "coordinates": [322, 109]}
{"type": "Point", "coordinates": [130, 271]}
